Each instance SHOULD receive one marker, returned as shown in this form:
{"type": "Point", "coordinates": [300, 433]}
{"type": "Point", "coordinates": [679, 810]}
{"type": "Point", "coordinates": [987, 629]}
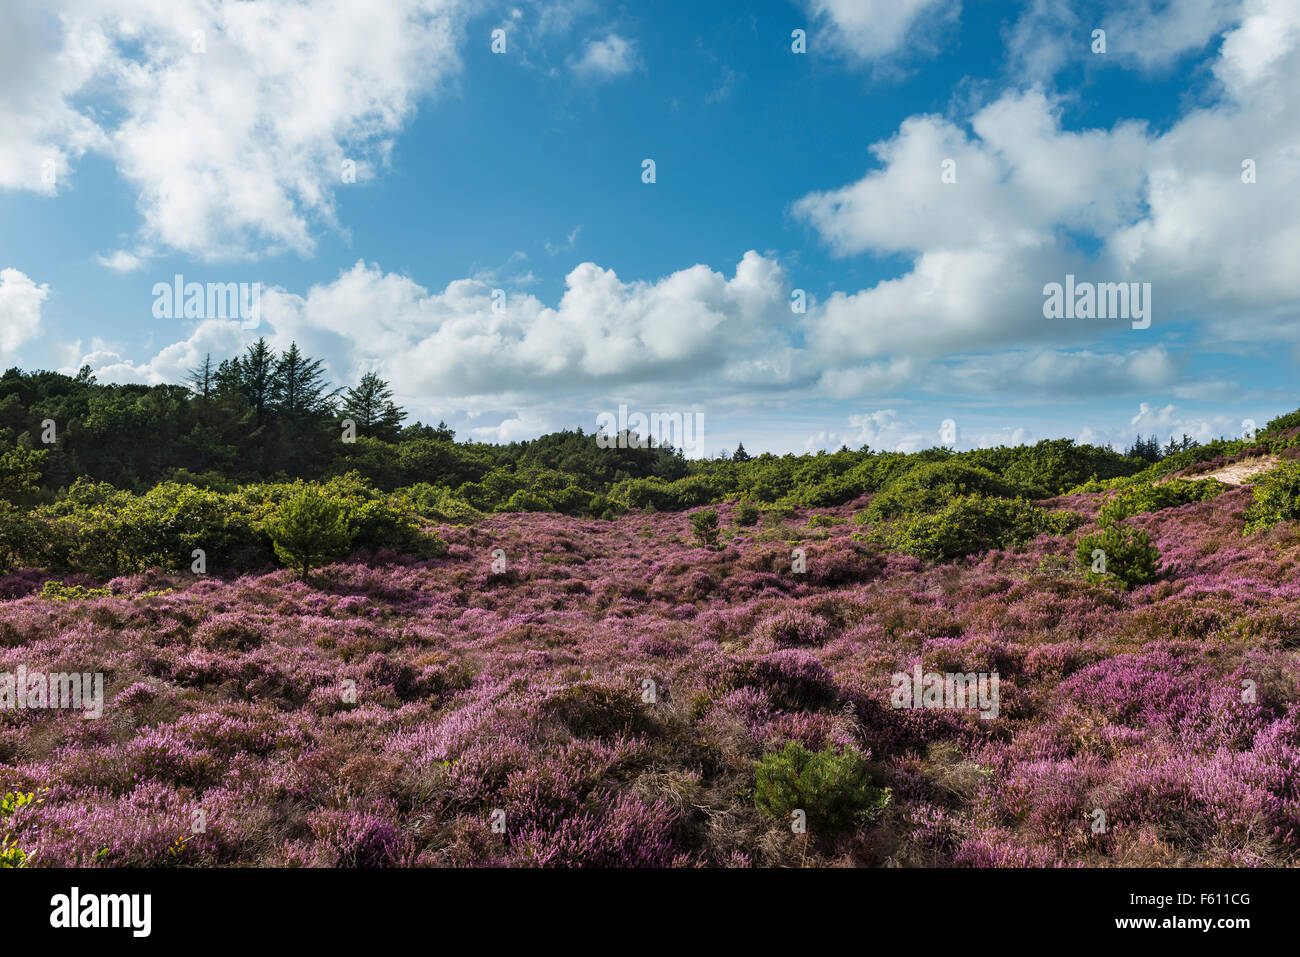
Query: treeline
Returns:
{"type": "Point", "coordinates": [263, 418]}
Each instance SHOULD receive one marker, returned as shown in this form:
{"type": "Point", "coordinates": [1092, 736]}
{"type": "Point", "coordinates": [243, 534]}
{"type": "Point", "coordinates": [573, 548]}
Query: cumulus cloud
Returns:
{"type": "Point", "coordinates": [867, 30]}
{"type": "Point", "coordinates": [521, 425]}
{"type": "Point", "coordinates": [218, 337]}
{"type": "Point", "coordinates": [20, 310]}
{"type": "Point", "coordinates": [1168, 421]}
{"type": "Point", "coordinates": [691, 334]}
{"type": "Point", "coordinates": [231, 120]}
{"type": "Point", "coordinates": [686, 327]}
{"type": "Point", "coordinates": [41, 66]}
{"type": "Point", "coordinates": [1050, 35]}
{"type": "Point", "coordinates": [882, 430]}
{"type": "Point", "coordinates": [605, 58]}
{"type": "Point", "coordinates": [1033, 201]}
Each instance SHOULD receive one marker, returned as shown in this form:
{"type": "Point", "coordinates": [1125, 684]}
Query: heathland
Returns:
{"type": "Point", "coordinates": [407, 650]}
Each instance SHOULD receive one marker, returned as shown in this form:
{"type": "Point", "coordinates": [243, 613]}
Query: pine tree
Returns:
{"type": "Point", "coordinates": [298, 385]}
{"type": "Point", "coordinates": [1148, 450]}
{"type": "Point", "coordinates": [741, 455]}
{"type": "Point", "coordinates": [228, 379]}
{"type": "Point", "coordinates": [257, 378]}
{"type": "Point", "coordinates": [371, 406]}
{"type": "Point", "coordinates": [310, 528]}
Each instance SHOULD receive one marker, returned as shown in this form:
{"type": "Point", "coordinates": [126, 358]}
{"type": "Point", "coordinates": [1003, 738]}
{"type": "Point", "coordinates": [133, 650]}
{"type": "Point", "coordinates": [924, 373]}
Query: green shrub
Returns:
{"type": "Point", "coordinates": [20, 472]}
{"type": "Point", "coordinates": [22, 538]}
{"type": "Point", "coordinates": [525, 500]}
{"type": "Point", "coordinates": [1289, 421]}
{"type": "Point", "coordinates": [664, 496]}
{"type": "Point", "coordinates": [777, 514]}
{"type": "Point", "coordinates": [11, 855]}
{"type": "Point", "coordinates": [704, 525]}
{"type": "Point", "coordinates": [105, 531]}
{"type": "Point", "coordinates": [834, 491]}
{"type": "Point", "coordinates": [833, 790]}
{"type": "Point", "coordinates": [929, 488]}
{"type": "Point", "coordinates": [970, 524]}
{"type": "Point", "coordinates": [823, 521]}
{"type": "Point", "coordinates": [310, 528]}
{"type": "Point", "coordinates": [570, 500]}
{"type": "Point", "coordinates": [58, 591]}
{"type": "Point", "coordinates": [439, 503]}
{"type": "Point", "coordinates": [602, 506]}
{"type": "Point", "coordinates": [1095, 484]}
{"type": "Point", "coordinates": [745, 514]}
{"type": "Point", "coordinates": [1277, 498]}
{"type": "Point", "coordinates": [380, 522]}
{"type": "Point", "coordinates": [1124, 554]}
{"type": "Point", "coordinates": [1149, 497]}
{"type": "Point", "coordinates": [1052, 466]}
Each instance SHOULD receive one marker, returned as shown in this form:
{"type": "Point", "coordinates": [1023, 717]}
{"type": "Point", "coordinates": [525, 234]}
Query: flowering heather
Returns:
{"type": "Point", "coordinates": [605, 698]}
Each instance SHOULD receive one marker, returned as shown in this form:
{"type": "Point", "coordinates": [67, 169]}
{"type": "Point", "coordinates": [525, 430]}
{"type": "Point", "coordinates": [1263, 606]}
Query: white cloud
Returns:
{"type": "Point", "coordinates": [1009, 436]}
{"type": "Point", "coordinates": [521, 425]}
{"type": "Point", "coordinates": [41, 66]}
{"type": "Point", "coordinates": [121, 260]}
{"type": "Point", "coordinates": [865, 30]}
{"type": "Point", "coordinates": [20, 310]}
{"type": "Point", "coordinates": [1053, 373]}
{"type": "Point", "coordinates": [232, 120]}
{"type": "Point", "coordinates": [1050, 35]}
{"type": "Point", "coordinates": [606, 58]}
{"type": "Point", "coordinates": [221, 338]}
{"type": "Point", "coordinates": [693, 334]}
{"type": "Point", "coordinates": [1164, 422]}
{"type": "Point", "coordinates": [883, 430]}
{"type": "Point", "coordinates": [824, 442]}
{"type": "Point", "coordinates": [1169, 208]}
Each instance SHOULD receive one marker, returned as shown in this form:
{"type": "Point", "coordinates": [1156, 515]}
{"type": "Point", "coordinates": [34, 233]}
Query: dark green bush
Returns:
{"type": "Point", "coordinates": [833, 790]}
{"type": "Point", "coordinates": [1126, 555]}
{"type": "Point", "coordinates": [1149, 497]}
{"type": "Point", "coordinates": [665, 496]}
{"type": "Point", "coordinates": [310, 528]}
{"type": "Point", "coordinates": [1277, 498]}
{"type": "Point", "coordinates": [929, 488]}
{"type": "Point", "coordinates": [1052, 466]}
{"type": "Point", "coordinates": [834, 491]}
{"type": "Point", "coordinates": [104, 531]}
{"type": "Point", "coordinates": [704, 525]}
{"type": "Point", "coordinates": [970, 524]}
{"type": "Point", "coordinates": [526, 501]}
{"type": "Point", "coordinates": [439, 503]}
{"type": "Point", "coordinates": [382, 522]}
{"type": "Point", "coordinates": [745, 514]}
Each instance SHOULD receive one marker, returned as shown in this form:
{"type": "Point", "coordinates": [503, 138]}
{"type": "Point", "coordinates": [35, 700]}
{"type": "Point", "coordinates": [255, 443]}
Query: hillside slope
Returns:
{"type": "Point", "coordinates": [1171, 708]}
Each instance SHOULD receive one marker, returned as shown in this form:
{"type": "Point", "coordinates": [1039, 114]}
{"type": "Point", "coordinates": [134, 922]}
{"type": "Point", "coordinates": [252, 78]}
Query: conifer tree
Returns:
{"type": "Point", "coordinates": [371, 406]}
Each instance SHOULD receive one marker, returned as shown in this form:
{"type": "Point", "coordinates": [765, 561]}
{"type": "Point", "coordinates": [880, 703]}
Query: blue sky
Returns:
{"type": "Point", "coordinates": [141, 140]}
